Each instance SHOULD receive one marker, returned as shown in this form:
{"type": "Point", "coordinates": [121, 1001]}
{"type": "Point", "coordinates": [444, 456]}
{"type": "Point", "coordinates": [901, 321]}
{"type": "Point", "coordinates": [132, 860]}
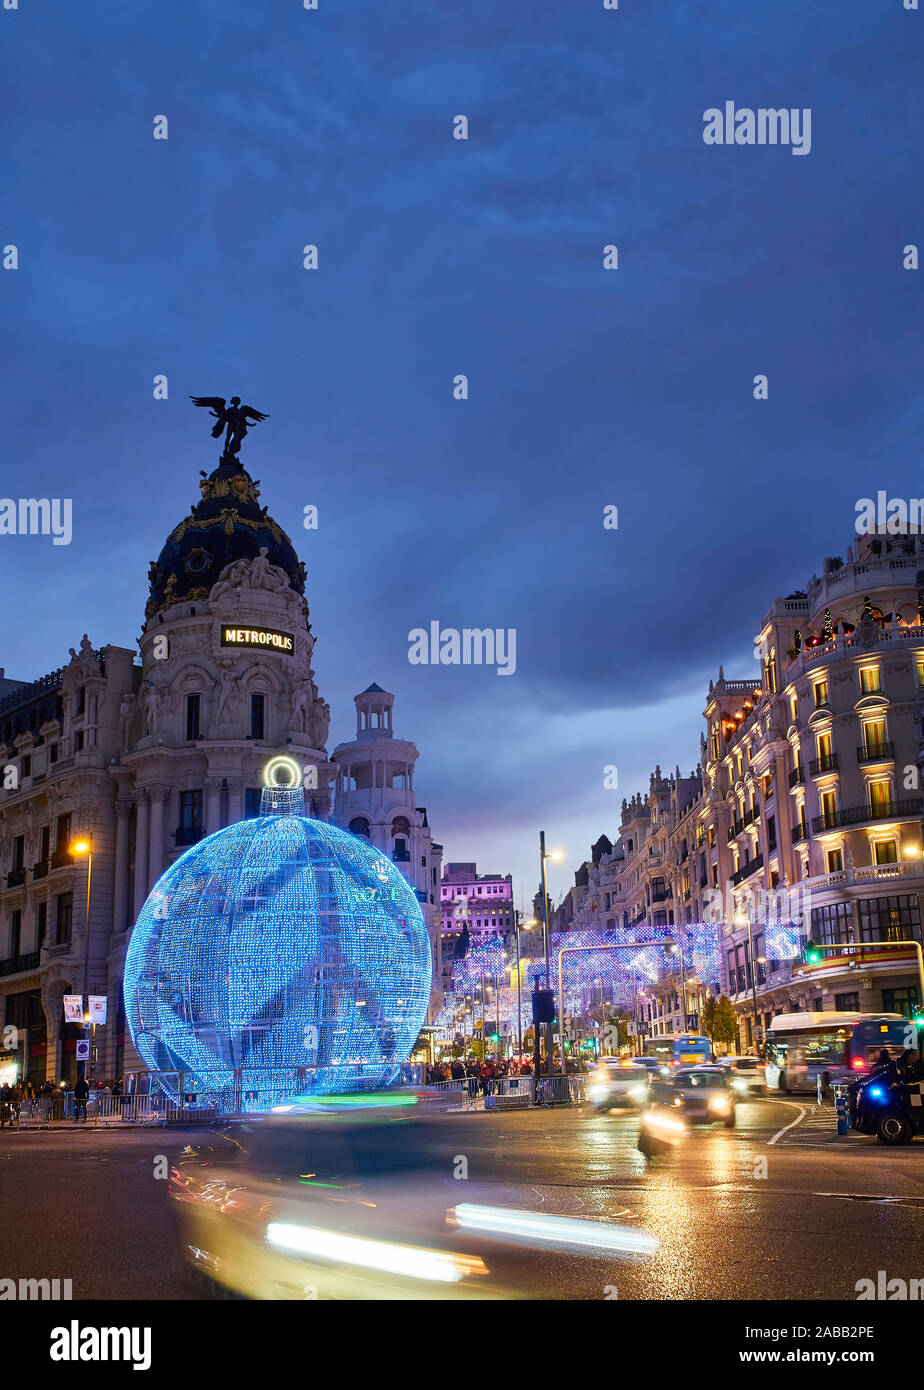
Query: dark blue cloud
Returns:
{"type": "Point", "coordinates": [484, 257]}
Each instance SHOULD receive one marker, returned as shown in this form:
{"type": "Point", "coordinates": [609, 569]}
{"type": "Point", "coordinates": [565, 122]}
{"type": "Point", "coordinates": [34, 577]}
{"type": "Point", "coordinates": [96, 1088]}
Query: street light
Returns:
{"type": "Point", "coordinates": [543, 856]}
{"type": "Point", "coordinates": [78, 849]}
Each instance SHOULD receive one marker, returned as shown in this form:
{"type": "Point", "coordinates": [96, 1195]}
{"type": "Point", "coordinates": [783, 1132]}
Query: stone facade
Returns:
{"type": "Point", "coordinates": [805, 805]}
{"type": "Point", "coordinates": [143, 760]}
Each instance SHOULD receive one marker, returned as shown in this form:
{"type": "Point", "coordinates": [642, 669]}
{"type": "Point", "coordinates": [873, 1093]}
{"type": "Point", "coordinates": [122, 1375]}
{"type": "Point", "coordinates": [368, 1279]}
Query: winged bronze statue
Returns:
{"type": "Point", "coordinates": [234, 419]}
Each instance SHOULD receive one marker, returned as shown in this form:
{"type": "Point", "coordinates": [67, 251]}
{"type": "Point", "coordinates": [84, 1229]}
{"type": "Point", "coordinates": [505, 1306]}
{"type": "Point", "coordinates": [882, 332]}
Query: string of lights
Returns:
{"type": "Point", "coordinates": [278, 943]}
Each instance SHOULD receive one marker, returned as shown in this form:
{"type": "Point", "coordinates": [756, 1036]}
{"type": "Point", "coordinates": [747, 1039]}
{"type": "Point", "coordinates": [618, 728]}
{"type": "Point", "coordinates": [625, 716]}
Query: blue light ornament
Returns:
{"type": "Point", "coordinates": [279, 956]}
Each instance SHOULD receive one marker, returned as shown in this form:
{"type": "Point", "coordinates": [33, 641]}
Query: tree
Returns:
{"type": "Point", "coordinates": [724, 1022]}
{"type": "Point", "coordinates": [708, 1019]}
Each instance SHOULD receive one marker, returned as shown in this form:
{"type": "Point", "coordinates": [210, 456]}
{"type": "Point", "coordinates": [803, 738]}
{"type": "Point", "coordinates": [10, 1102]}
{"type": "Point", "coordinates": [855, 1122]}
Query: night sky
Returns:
{"type": "Point", "coordinates": [588, 388]}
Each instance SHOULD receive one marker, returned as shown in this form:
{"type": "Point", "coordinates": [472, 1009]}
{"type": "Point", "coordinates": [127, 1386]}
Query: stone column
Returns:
{"type": "Point", "coordinates": [235, 800]}
{"type": "Point", "coordinates": [141, 851]}
{"type": "Point", "coordinates": [158, 795]}
{"type": "Point", "coordinates": [212, 805]}
{"type": "Point", "coordinates": [120, 887]}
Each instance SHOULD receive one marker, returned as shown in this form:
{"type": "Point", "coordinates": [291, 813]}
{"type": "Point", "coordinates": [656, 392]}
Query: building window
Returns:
{"type": "Point", "coordinates": [886, 852]}
{"type": "Point", "coordinates": [899, 1001]}
{"type": "Point", "coordinates": [27, 767]}
{"type": "Point", "coordinates": [869, 679]}
{"type": "Point", "coordinates": [192, 718]}
{"type": "Point", "coordinates": [64, 912]}
{"type": "Point", "coordinates": [15, 934]}
{"type": "Point", "coordinates": [894, 918]}
{"type": "Point", "coordinates": [847, 1003]}
{"type": "Point", "coordinates": [830, 924]}
{"type": "Point", "coordinates": [400, 854]}
{"type": "Point", "coordinates": [190, 811]}
{"type": "Point", "coordinates": [252, 797]}
{"type": "Point", "coordinates": [63, 832]}
{"type": "Point", "coordinates": [360, 826]}
{"type": "Point", "coordinates": [820, 690]}
{"type": "Point", "coordinates": [874, 737]}
{"type": "Point", "coordinates": [41, 925]}
{"type": "Point", "coordinates": [78, 741]}
{"type": "Point", "coordinates": [880, 798]}
{"type": "Point", "coordinates": [835, 860]}
{"type": "Point", "coordinates": [257, 704]}
{"type": "Point", "coordinates": [53, 753]}
{"type": "Point", "coordinates": [81, 700]}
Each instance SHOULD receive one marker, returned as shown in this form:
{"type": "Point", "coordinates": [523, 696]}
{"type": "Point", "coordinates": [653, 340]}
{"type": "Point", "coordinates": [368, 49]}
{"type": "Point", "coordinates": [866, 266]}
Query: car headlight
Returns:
{"type": "Point", "coordinates": [406, 1261]}
{"type": "Point", "coordinates": [739, 1085]}
{"type": "Point", "coordinates": [720, 1104]}
{"type": "Point", "coordinates": [598, 1091]}
{"type": "Point", "coordinates": [637, 1093]}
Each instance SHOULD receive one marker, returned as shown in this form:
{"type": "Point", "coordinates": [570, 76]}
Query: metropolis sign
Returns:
{"type": "Point", "coordinates": [257, 637]}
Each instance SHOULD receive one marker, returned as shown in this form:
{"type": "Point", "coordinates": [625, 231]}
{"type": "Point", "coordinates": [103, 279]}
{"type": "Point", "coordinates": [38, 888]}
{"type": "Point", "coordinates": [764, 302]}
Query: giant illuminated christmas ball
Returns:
{"type": "Point", "coordinates": [280, 956]}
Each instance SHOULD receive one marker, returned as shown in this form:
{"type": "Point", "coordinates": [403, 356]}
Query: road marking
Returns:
{"type": "Point", "coordinates": [866, 1197]}
{"type": "Point", "coordinates": [801, 1116]}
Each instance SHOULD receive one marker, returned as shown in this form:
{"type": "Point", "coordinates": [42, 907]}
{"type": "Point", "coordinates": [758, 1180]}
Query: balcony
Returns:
{"type": "Point", "coordinates": [188, 834]}
{"type": "Point", "coordinates": [876, 752]}
{"type": "Point", "coordinates": [15, 878]}
{"type": "Point", "coordinates": [39, 869]}
{"type": "Point", "coordinates": [747, 869]}
{"type": "Point", "coordinates": [62, 858]}
{"type": "Point", "coordinates": [862, 815]}
{"type": "Point", "coordinates": [401, 856]}
{"type": "Point", "coordinates": [662, 896]}
{"type": "Point", "coordinates": [799, 832]}
{"type": "Point", "coordinates": [826, 763]}
{"type": "Point", "coordinates": [750, 816]}
{"type": "Point", "coordinates": [797, 777]}
{"type": "Point", "coordinates": [15, 965]}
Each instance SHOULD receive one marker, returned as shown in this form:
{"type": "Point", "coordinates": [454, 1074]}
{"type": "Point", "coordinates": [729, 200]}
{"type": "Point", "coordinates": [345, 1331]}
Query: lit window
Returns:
{"type": "Point", "coordinates": [869, 679]}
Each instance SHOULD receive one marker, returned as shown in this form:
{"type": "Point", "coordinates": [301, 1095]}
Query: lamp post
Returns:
{"type": "Point", "coordinates": [543, 856]}
{"type": "Point", "coordinates": [84, 846]}
{"type": "Point", "coordinates": [527, 926]}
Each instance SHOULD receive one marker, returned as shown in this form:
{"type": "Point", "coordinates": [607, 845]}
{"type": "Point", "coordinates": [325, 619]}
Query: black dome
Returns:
{"type": "Point", "coordinates": [227, 525]}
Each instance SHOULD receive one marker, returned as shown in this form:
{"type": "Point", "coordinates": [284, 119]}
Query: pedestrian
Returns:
{"type": "Point", "coordinates": [81, 1095]}
{"type": "Point", "coordinates": [6, 1100]}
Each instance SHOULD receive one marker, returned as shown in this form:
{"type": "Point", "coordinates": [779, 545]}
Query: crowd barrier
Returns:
{"type": "Point", "coordinates": [471, 1092]}
{"type": "Point", "coordinates": [166, 1098]}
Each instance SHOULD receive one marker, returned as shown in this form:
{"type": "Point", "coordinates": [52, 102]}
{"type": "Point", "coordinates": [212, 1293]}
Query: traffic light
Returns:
{"type": "Point", "coordinates": [917, 1018]}
{"type": "Point", "coordinates": [811, 955]}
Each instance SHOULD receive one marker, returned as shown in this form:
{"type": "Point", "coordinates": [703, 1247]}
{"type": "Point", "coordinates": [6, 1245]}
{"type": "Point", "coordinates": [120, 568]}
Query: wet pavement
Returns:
{"type": "Point", "coordinates": [759, 1212]}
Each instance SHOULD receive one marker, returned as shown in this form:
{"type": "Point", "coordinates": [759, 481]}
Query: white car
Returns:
{"type": "Point", "coordinates": [746, 1074]}
{"type": "Point", "coordinates": [615, 1084]}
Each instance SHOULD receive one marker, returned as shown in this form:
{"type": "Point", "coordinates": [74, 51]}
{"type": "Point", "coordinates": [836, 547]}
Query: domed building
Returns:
{"type": "Point", "coordinates": [226, 526]}
{"type": "Point", "coordinates": [144, 760]}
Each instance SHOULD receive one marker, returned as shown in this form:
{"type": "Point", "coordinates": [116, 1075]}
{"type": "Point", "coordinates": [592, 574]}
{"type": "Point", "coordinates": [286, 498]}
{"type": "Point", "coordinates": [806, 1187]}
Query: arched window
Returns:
{"type": "Point", "coordinates": [359, 826]}
{"type": "Point", "coordinates": [401, 853]}
{"type": "Point", "coordinates": [400, 826]}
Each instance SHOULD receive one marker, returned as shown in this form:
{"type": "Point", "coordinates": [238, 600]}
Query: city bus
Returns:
{"type": "Point", "coordinates": [679, 1050]}
{"type": "Point", "coordinates": [830, 1046]}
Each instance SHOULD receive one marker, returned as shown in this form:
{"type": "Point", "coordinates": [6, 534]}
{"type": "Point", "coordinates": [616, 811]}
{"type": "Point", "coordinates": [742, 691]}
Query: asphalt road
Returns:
{"type": "Point", "coordinates": [753, 1213]}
